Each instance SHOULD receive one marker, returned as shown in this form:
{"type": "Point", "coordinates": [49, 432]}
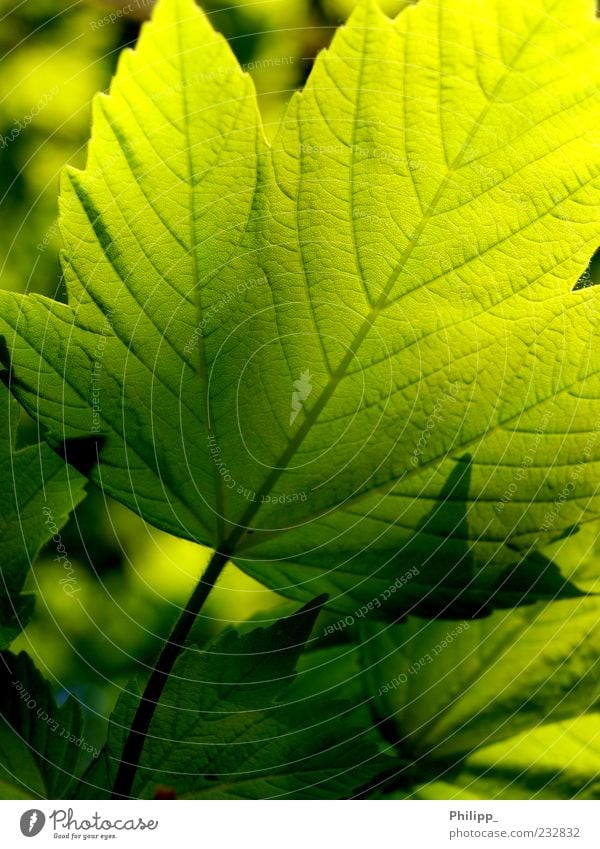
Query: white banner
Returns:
{"type": "Point", "coordinates": [296, 825]}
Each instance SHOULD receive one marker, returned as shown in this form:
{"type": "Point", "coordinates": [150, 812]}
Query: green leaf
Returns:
{"type": "Point", "coordinates": [289, 350]}
{"type": "Point", "coordinates": [42, 744]}
{"type": "Point", "coordinates": [450, 688]}
{"type": "Point", "coordinates": [19, 773]}
{"type": "Point", "coordinates": [38, 491]}
{"type": "Point", "coordinates": [95, 782]}
{"type": "Point", "coordinates": [556, 761]}
{"type": "Point", "coordinates": [229, 726]}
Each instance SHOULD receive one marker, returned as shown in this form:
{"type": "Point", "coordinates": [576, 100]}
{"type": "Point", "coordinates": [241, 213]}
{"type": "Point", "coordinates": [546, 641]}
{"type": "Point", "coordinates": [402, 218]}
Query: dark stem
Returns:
{"type": "Point", "coordinates": [134, 744]}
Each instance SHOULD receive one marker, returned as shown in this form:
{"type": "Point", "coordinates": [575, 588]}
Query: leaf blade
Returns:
{"type": "Point", "coordinates": [293, 333]}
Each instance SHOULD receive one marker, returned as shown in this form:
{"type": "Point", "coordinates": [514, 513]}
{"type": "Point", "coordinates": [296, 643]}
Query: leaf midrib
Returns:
{"type": "Point", "coordinates": [194, 241]}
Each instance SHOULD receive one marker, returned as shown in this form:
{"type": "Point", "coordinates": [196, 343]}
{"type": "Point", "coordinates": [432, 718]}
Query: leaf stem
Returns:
{"type": "Point", "coordinates": [136, 737]}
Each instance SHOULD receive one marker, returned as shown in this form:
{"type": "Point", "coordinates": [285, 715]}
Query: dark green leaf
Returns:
{"type": "Point", "coordinates": [229, 725]}
{"type": "Point", "coordinates": [37, 492]}
{"type": "Point", "coordinates": [42, 744]}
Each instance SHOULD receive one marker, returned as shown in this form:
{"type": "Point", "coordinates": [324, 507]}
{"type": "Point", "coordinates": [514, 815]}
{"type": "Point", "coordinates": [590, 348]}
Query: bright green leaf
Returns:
{"type": "Point", "coordinates": [290, 351]}
{"type": "Point", "coordinates": [557, 761]}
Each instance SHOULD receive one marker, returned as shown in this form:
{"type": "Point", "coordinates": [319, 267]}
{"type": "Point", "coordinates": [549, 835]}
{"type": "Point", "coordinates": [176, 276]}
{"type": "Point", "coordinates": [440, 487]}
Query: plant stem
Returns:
{"type": "Point", "coordinates": [134, 744]}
